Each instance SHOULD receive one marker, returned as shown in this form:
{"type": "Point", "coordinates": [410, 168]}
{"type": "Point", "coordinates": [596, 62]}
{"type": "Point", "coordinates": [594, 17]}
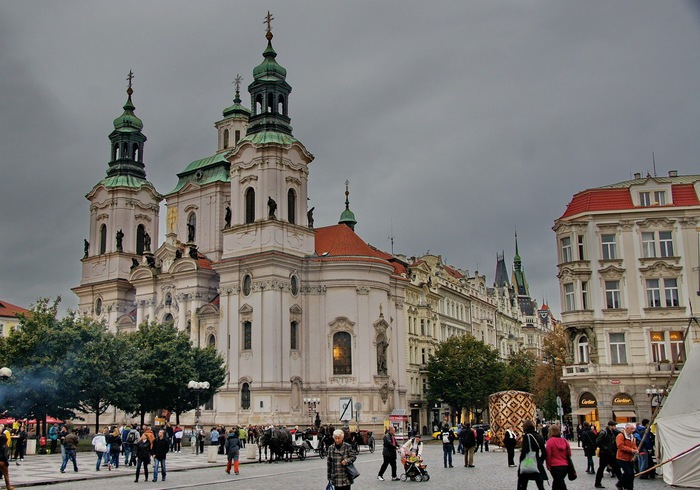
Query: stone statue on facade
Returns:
{"type": "Point", "coordinates": [86, 248]}
{"type": "Point", "coordinates": [120, 238]}
{"type": "Point", "coordinates": [310, 217]}
{"type": "Point", "coordinates": [146, 242]}
{"type": "Point", "coordinates": [271, 208]}
{"type": "Point", "coordinates": [227, 218]}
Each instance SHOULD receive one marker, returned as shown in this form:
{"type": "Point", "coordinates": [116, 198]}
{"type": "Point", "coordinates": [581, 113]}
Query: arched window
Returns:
{"type": "Point", "coordinates": [583, 349]}
{"type": "Point", "coordinates": [140, 230]}
{"type": "Point", "coordinates": [247, 336]}
{"type": "Point", "coordinates": [211, 340]}
{"type": "Point", "coordinates": [115, 151]}
{"type": "Point", "coordinates": [293, 335]}
{"type": "Point", "coordinates": [342, 353]}
{"type": "Point", "coordinates": [249, 205]}
{"type": "Point", "coordinates": [125, 150]}
{"type": "Point", "coordinates": [135, 152]}
{"type": "Point", "coordinates": [225, 138]}
{"type": "Point", "coordinates": [291, 206]}
{"type": "Point", "coordinates": [258, 104]}
{"type": "Point", "coordinates": [245, 396]}
{"type": "Point", "coordinates": [270, 103]}
{"type": "Point", "coordinates": [238, 136]}
{"type": "Point", "coordinates": [168, 318]}
{"type": "Point", "coordinates": [98, 306]}
{"type": "Point", "coordinates": [191, 228]}
{"type": "Point", "coordinates": [103, 238]}
{"type": "Point", "coordinates": [281, 108]}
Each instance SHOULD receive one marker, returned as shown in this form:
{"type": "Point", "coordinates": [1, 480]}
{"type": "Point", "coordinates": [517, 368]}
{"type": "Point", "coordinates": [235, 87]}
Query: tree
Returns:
{"type": "Point", "coordinates": [463, 373]}
{"type": "Point", "coordinates": [548, 383]}
{"type": "Point", "coordinates": [519, 371]}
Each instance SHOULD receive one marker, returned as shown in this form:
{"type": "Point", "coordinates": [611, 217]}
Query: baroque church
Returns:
{"type": "Point", "coordinates": [308, 319]}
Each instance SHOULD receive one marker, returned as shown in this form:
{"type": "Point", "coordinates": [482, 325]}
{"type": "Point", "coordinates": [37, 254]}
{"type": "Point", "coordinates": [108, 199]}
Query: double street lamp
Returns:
{"type": "Point", "coordinates": [198, 387]}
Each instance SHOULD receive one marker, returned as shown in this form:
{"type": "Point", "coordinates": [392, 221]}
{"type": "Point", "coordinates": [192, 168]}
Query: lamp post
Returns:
{"type": "Point", "coordinates": [657, 395]}
{"type": "Point", "coordinates": [311, 404]}
{"type": "Point", "coordinates": [198, 387]}
{"type": "Point", "coordinates": [5, 373]}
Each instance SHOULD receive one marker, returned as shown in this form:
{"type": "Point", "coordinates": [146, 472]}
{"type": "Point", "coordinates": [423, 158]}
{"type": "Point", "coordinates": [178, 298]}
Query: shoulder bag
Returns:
{"type": "Point", "coordinates": [351, 471]}
{"type": "Point", "coordinates": [570, 470]}
{"type": "Point", "coordinates": [528, 465]}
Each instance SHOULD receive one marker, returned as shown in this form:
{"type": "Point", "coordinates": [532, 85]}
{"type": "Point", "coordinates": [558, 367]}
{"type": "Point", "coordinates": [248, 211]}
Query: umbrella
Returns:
{"type": "Point", "coordinates": [49, 420]}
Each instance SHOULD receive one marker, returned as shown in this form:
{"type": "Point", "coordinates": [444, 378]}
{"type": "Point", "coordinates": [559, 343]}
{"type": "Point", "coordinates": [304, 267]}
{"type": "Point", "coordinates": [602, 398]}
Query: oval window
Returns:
{"type": "Point", "coordinates": [98, 306]}
{"type": "Point", "coordinates": [247, 283]}
{"type": "Point", "coordinates": [295, 285]}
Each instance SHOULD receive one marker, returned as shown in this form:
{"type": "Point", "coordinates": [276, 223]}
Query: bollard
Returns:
{"type": "Point", "coordinates": [251, 451]}
{"type": "Point", "coordinates": [212, 452]}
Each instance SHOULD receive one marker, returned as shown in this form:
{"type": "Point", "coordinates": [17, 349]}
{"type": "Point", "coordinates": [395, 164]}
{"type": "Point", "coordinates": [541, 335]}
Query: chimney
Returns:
{"type": "Point", "coordinates": [638, 175]}
{"type": "Point", "coordinates": [673, 173]}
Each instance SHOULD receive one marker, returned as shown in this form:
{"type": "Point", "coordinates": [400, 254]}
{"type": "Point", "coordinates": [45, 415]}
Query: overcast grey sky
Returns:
{"type": "Point", "coordinates": [456, 122]}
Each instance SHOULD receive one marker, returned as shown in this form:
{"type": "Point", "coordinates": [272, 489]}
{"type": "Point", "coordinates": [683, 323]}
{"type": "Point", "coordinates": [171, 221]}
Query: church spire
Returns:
{"type": "Point", "coordinates": [347, 217]}
{"type": "Point", "coordinates": [269, 92]}
{"type": "Point", "coordinates": [127, 143]}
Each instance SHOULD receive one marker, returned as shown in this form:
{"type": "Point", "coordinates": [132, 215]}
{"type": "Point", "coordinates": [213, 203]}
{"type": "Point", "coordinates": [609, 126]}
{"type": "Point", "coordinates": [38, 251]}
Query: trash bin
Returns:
{"type": "Point", "coordinates": [212, 452]}
{"type": "Point", "coordinates": [31, 446]}
{"type": "Point", "coordinates": [251, 451]}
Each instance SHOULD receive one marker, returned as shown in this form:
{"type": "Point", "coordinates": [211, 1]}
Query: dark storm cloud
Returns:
{"type": "Point", "coordinates": [455, 122]}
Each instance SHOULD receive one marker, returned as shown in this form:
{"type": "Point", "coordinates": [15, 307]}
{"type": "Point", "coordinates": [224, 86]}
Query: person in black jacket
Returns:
{"type": "Point", "coordinates": [608, 453]}
{"type": "Point", "coordinates": [114, 442]}
{"type": "Point", "coordinates": [587, 439]}
{"type": "Point", "coordinates": [161, 447]}
{"type": "Point", "coordinates": [510, 439]}
{"type": "Point", "coordinates": [532, 441]}
{"type": "Point", "coordinates": [389, 454]}
{"type": "Point", "coordinates": [467, 439]}
{"type": "Point", "coordinates": [233, 450]}
{"type": "Point", "coordinates": [143, 456]}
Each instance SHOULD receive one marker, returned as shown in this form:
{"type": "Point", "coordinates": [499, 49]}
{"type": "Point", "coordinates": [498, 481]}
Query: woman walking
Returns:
{"type": "Point", "coordinates": [340, 454]}
{"type": "Point", "coordinates": [4, 462]}
{"type": "Point", "coordinates": [532, 442]}
{"type": "Point", "coordinates": [99, 442]}
{"type": "Point", "coordinates": [115, 447]}
{"type": "Point", "coordinates": [143, 457]}
{"type": "Point", "coordinates": [558, 454]}
{"type": "Point", "coordinates": [588, 442]}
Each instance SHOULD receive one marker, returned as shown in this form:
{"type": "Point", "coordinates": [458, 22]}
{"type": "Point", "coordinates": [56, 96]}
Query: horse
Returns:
{"type": "Point", "coordinates": [279, 441]}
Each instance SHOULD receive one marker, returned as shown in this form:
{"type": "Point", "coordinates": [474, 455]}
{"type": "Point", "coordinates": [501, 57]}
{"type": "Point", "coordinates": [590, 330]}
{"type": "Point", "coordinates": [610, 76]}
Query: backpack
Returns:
{"type": "Point", "coordinates": [446, 437]}
{"type": "Point", "coordinates": [131, 438]}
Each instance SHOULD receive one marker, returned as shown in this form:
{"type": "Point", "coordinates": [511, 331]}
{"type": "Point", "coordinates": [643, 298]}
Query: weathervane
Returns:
{"type": "Point", "coordinates": [238, 81]}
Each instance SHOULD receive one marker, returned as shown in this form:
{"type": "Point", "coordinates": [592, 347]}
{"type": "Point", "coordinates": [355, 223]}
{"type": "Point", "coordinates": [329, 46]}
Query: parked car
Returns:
{"type": "Point", "coordinates": [436, 435]}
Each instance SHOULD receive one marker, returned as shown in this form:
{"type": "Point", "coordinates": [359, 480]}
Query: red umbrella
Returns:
{"type": "Point", "coordinates": [6, 421]}
{"type": "Point", "coordinates": [49, 420]}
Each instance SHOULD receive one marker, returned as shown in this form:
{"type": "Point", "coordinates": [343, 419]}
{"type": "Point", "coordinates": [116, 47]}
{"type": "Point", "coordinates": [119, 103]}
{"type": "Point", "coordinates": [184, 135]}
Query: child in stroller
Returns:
{"type": "Point", "coordinates": [412, 460]}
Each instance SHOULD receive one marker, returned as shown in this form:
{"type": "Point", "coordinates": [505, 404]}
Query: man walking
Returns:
{"type": "Point", "coordinates": [643, 458]}
{"type": "Point", "coordinates": [389, 454]}
{"type": "Point", "coordinates": [447, 437]}
{"type": "Point", "coordinates": [70, 446]}
{"type": "Point", "coordinates": [607, 454]}
{"type": "Point", "coordinates": [161, 446]}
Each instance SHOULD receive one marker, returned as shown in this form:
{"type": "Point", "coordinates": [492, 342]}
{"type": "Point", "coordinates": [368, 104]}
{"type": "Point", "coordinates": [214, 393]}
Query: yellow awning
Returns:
{"type": "Point", "coordinates": [625, 413]}
{"type": "Point", "coordinates": [582, 411]}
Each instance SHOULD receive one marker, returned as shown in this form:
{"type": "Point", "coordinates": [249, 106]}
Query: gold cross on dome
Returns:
{"type": "Point", "coordinates": [268, 20]}
{"type": "Point", "coordinates": [130, 77]}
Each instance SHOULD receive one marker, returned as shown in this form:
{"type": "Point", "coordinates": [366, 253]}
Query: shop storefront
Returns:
{"type": "Point", "coordinates": [587, 410]}
{"type": "Point", "coordinates": [624, 408]}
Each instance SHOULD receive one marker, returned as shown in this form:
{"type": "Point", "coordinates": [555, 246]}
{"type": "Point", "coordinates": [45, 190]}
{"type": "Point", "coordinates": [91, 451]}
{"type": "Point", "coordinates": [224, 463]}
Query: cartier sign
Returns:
{"type": "Point", "coordinates": [587, 400]}
{"type": "Point", "coordinates": [623, 399]}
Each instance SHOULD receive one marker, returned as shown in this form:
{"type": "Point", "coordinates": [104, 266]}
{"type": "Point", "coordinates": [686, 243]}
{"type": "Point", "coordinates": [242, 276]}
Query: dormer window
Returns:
{"type": "Point", "coordinates": [645, 199]}
{"type": "Point", "coordinates": [660, 198]}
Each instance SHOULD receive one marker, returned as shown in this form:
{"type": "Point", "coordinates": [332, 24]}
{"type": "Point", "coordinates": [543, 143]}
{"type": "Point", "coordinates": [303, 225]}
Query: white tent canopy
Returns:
{"type": "Point", "coordinates": [678, 425]}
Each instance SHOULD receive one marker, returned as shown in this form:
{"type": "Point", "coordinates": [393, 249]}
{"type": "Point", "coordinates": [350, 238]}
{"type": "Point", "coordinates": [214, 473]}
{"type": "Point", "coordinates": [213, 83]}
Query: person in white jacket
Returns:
{"type": "Point", "coordinates": [99, 442]}
{"type": "Point", "coordinates": [413, 447]}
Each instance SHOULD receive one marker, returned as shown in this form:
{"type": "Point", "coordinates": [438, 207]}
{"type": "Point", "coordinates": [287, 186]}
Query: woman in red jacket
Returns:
{"type": "Point", "coordinates": [558, 454]}
{"type": "Point", "coordinates": [626, 454]}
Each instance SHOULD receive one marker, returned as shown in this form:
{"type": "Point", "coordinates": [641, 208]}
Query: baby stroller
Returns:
{"type": "Point", "coordinates": [414, 469]}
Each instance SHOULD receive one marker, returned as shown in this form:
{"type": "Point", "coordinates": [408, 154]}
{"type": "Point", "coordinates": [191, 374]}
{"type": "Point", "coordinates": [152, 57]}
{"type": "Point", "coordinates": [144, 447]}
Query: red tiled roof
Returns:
{"type": "Point", "coordinates": [453, 272]}
{"type": "Point", "coordinates": [9, 310]}
{"type": "Point", "coordinates": [616, 198]}
{"type": "Point", "coordinates": [339, 242]}
{"type": "Point", "coordinates": [684, 195]}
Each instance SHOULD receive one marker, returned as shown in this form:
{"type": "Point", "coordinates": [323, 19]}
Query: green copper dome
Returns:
{"type": "Point", "coordinates": [269, 69]}
{"type": "Point", "coordinates": [128, 120]}
{"type": "Point", "coordinates": [347, 217]}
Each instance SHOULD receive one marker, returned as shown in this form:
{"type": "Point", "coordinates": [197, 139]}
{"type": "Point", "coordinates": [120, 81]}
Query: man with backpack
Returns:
{"type": "Point", "coordinates": [468, 440]}
{"type": "Point", "coordinates": [447, 437]}
{"type": "Point", "coordinates": [130, 441]}
{"type": "Point", "coordinates": [607, 452]}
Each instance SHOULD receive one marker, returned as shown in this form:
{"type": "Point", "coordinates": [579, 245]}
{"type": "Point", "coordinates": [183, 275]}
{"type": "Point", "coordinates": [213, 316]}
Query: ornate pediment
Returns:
{"type": "Point", "coordinates": [660, 269]}
{"type": "Point", "coordinates": [612, 271]}
{"type": "Point", "coordinates": [663, 223]}
{"type": "Point", "coordinates": [246, 309]}
{"type": "Point", "coordinates": [341, 324]}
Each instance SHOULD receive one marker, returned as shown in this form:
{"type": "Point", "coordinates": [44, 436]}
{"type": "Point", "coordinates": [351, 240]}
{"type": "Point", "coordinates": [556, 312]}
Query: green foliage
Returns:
{"type": "Point", "coordinates": [463, 373]}
{"type": "Point", "coordinates": [519, 371]}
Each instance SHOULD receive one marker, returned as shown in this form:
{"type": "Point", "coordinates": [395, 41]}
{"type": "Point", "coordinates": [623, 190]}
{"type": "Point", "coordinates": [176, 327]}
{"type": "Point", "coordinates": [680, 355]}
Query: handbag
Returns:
{"type": "Point", "coordinates": [571, 470]}
{"type": "Point", "coordinates": [528, 465]}
{"type": "Point", "coordinates": [330, 486]}
{"type": "Point", "coordinates": [351, 471]}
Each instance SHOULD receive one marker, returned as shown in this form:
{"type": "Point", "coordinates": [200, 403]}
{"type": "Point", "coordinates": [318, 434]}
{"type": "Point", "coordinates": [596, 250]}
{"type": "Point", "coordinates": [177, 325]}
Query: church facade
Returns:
{"type": "Point", "coordinates": [308, 319]}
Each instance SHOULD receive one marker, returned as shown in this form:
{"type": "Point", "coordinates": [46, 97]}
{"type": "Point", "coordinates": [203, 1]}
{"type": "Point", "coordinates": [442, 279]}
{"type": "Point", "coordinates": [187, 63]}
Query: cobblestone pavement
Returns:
{"type": "Point", "coordinates": [185, 470]}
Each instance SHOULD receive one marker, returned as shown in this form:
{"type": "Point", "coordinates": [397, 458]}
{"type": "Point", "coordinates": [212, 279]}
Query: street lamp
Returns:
{"type": "Point", "coordinates": [312, 403]}
{"type": "Point", "coordinates": [5, 373]}
{"type": "Point", "coordinates": [198, 387]}
{"type": "Point", "coordinates": [657, 395]}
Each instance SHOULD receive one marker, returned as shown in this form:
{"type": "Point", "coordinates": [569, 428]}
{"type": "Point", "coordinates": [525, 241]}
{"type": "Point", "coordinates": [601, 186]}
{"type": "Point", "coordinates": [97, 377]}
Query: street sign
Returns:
{"type": "Point", "coordinates": [558, 402]}
{"type": "Point", "coordinates": [346, 412]}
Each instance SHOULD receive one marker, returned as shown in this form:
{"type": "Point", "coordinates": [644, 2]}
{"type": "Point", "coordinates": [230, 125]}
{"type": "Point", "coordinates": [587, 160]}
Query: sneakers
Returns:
{"type": "Point", "coordinates": [380, 478]}
{"type": "Point", "coordinates": [395, 478]}
{"type": "Point", "coordinates": [109, 467]}
{"type": "Point", "coordinates": [598, 485]}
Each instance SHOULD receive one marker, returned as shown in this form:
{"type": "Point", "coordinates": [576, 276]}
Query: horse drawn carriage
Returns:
{"type": "Point", "coordinates": [360, 438]}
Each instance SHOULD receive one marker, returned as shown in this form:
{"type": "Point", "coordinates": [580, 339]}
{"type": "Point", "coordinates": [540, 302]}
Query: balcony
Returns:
{"type": "Point", "coordinates": [579, 370]}
{"type": "Point", "coordinates": [656, 367]}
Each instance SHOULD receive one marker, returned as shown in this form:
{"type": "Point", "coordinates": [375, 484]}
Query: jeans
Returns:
{"type": "Point", "coordinates": [590, 467]}
{"type": "Point", "coordinates": [99, 460]}
{"type": "Point", "coordinates": [558, 476]}
{"type": "Point", "coordinates": [127, 454]}
{"type": "Point", "coordinates": [643, 460]}
{"type": "Point", "coordinates": [158, 462]}
{"type": "Point", "coordinates": [70, 454]}
{"type": "Point", "coordinates": [447, 450]}
{"type": "Point", "coordinates": [114, 458]}
{"type": "Point", "coordinates": [106, 458]}
{"type": "Point", "coordinates": [143, 462]}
